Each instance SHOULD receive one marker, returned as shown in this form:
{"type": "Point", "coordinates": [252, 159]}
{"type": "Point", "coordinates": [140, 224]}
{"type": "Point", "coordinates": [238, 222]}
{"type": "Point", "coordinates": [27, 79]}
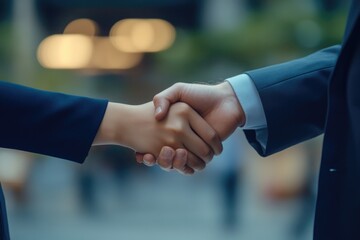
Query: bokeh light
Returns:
{"type": "Point", "coordinates": [69, 51]}
{"type": "Point", "coordinates": [82, 26]}
{"type": "Point", "coordinates": [106, 56]}
{"type": "Point", "coordinates": [142, 35]}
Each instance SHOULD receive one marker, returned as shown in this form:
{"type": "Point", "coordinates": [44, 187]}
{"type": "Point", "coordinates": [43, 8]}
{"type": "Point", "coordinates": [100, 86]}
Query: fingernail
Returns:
{"type": "Point", "coordinates": [166, 153]}
{"type": "Point", "coordinates": [146, 163]}
{"type": "Point", "coordinates": [158, 110]}
{"type": "Point", "coordinates": [182, 154]}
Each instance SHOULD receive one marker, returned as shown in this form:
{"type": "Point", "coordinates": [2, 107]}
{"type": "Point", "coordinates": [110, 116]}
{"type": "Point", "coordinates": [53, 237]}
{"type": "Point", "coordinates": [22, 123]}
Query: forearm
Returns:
{"type": "Point", "coordinates": [48, 123]}
{"type": "Point", "coordinates": [294, 96]}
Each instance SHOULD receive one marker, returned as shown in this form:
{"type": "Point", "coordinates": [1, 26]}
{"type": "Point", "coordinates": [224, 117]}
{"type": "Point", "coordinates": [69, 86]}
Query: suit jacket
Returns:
{"type": "Point", "coordinates": [313, 95]}
{"type": "Point", "coordinates": [48, 123]}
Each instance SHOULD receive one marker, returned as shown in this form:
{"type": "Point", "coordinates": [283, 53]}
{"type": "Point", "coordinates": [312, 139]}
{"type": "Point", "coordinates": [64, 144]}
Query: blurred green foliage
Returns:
{"type": "Point", "coordinates": [266, 37]}
{"type": "Point", "coordinates": [277, 33]}
{"type": "Point", "coordinates": [6, 49]}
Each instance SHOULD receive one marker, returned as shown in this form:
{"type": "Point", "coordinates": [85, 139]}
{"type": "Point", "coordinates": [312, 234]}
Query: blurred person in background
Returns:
{"type": "Point", "coordinates": [285, 104]}
{"type": "Point", "coordinates": [228, 167]}
{"type": "Point", "coordinates": [15, 168]}
{"type": "Point", "coordinates": [114, 161]}
{"type": "Point", "coordinates": [66, 126]}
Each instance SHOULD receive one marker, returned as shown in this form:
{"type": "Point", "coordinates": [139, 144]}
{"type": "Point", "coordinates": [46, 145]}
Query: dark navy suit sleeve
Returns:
{"type": "Point", "coordinates": [48, 123]}
{"type": "Point", "coordinates": [294, 96]}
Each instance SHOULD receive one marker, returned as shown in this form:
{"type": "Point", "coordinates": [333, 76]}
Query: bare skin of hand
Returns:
{"type": "Point", "coordinates": [217, 104]}
{"type": "Point", "coordinates": [135, 127]}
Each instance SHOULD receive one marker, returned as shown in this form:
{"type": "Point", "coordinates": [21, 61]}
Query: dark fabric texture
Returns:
{"type": "Point", "coordinates": [314, 95]}
{"type": "Point", "coordinates": [4, 229]}
{"type": "Point", "coordinates": [48, 123]}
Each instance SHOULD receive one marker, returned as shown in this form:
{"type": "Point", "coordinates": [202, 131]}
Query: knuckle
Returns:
{"type": "Point", "coordinates": [176, 131]}
{"type": "Point", "coordinates": [178, 85]}
{"type": "Point", "coordinates": [182, 108]}
{"type": "Point", "coordinates": [172, 141]}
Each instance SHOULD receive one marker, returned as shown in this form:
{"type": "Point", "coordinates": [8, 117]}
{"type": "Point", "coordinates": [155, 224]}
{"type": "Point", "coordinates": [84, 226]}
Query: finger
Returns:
{"type": "Point", "coordinates": [162, 106]}
{"type": "Point", "coordinates": [180, 160]}
{"type": "Point", "coordinates": [196, 145]}
{"type": "Point", "coordinates": [205, 132]}
{"type": "Point", "coordinates": [164, 99]}
{"type": "Point", "coordinates": [194, 163]}
{"type": "Point", "coordinates": [165, 158]}
{"type": "Point", "coordinates": [139, 157]}
{"type": "Point", "coordinates": [149, 160]}
{"type": "Point", "coordinates": [188, 170]}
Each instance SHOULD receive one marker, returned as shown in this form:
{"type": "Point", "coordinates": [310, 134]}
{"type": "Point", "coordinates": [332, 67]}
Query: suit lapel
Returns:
{"type": "Point", "coordinates": [353, 18]}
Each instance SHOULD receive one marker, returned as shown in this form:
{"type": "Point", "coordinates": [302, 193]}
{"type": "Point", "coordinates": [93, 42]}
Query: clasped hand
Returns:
{"type": "Point", "coordinates": [183, 127]}
{"type": "Point", "coordinates": [219, 109]}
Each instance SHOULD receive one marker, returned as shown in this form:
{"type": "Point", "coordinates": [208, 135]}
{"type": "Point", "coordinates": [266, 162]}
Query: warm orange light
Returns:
{"type": "Point", "coordinates": [166, 35]}
{"type": "Point", "coordinates": [120, 35]}
{"type": "Point", "coordinates": [69, 51]}
{"type": "Point", "coordinates": [106, 56]}
{"type": "Point", "coordinates": [82, 26]}
{"type": "Point", "coordinates": [142, 35]}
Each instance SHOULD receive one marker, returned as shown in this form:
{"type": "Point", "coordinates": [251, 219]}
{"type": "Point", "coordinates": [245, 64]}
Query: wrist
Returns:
{"type": "Point", "coordinates": [229, 95]}
{"type": "Point", "coordinates": [112, 125]}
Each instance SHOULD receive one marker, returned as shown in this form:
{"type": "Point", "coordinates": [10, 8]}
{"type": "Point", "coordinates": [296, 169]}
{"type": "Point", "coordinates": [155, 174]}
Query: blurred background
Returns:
{"type": "Point", "coordinates": [127, 51]}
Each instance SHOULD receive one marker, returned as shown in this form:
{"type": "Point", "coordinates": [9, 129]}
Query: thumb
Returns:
{"type": "Point", "coordinates": [163, 100]}
{"type": "Point", "coordinates": [162, 106]}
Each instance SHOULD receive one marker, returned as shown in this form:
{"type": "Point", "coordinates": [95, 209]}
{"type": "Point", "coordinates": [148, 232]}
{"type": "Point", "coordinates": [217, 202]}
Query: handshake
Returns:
{"type": "Point", "coordinates": [182, 129]}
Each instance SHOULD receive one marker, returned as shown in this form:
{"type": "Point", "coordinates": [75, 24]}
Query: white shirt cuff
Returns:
{"type": "Point", "coordinates": [250, 101]}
